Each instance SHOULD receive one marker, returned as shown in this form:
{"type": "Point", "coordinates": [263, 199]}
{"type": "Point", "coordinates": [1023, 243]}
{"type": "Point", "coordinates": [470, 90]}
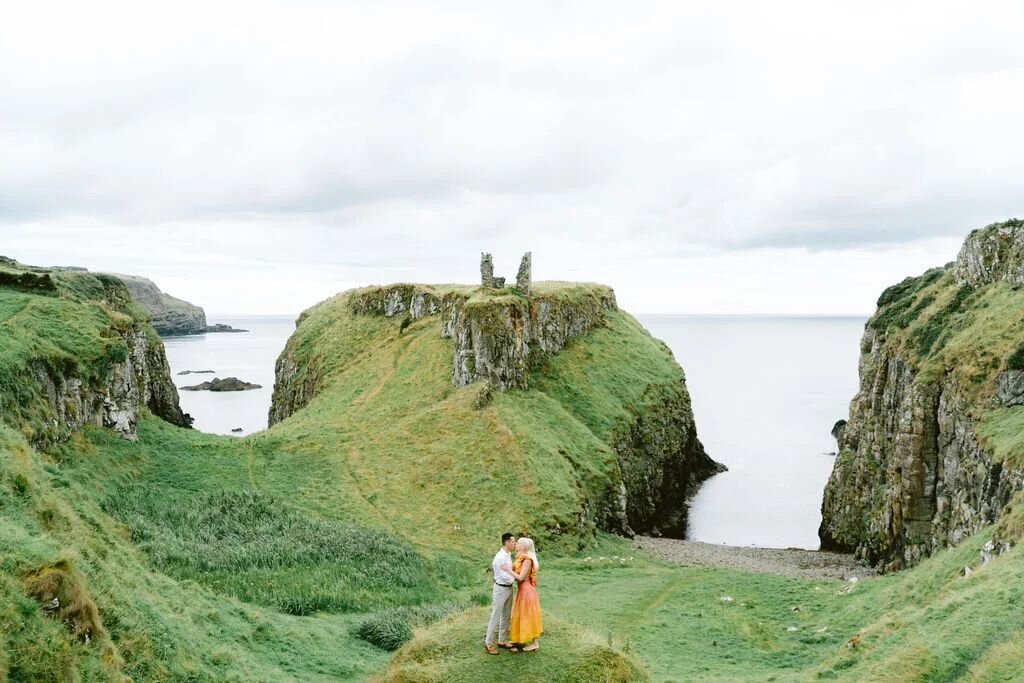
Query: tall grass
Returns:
{"type": "Point", "coordinates": [393, 628]}
{"type": "Point", "coordinates": [261, 550]}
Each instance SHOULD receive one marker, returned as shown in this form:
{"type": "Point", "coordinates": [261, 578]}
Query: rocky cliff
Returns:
{"type": "Point", "coordinates": [502, 341]}
{"type": "Point", "coordinates": [918, 468]}
{"type": "Point", "coordinates": [104, 367]}
{"type": "Point", "coordinates": [169, 315]}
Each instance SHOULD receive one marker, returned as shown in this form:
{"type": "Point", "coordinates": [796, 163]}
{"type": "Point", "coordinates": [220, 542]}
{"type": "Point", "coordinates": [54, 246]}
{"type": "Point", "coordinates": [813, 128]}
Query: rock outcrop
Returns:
{"type": "Point", "coordinates": [499, 340]}
{"type": "Point", "coordinates": [991, 254]}
{"type": "Point", "coordinates": [226, 384]}
{"type": "Point", "coordinates": [913, 475]}
{"type": "Point", "coordinates": [54, 394]}
{"type": "Point", "coordinates": [141, 379]}
{"type": "Point", "coordinates": [498, 337]}
{"type": "Point", "coordinates": [169, 315]}
{"type": "Point", "coordinates": [662, 463]}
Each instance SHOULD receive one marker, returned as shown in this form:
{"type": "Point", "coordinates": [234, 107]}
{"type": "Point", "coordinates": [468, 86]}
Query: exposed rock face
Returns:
{"type": "Point", "coordinates": [1010, 387]}
{"type": "Point", "coordinates": [662, 464]}
{"type": "Point", "coordinates": [495, 339]}
{"type": "Point", "coordinates": [169, 315]}
{"type": "Point", "coordinates": [837, 430]}
{"type": "Point", "coordinates": [912, 475]}
{"type": "Point", "coordinates": [993, 253]}
{"type": "Point", "coordinates": [414, 300]}
{"type": "Point", "coordinates": [292, 389]}
{"type": "Point", "coordinates": [141, 379]}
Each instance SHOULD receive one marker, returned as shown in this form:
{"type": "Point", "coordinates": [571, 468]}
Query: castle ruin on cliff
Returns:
{"type": "Point", "coordinates": [524, 277]}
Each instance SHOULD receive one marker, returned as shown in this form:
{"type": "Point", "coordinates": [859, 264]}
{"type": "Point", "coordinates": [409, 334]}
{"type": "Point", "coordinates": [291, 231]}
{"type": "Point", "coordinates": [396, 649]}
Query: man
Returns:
{"type": "Point", "coordinates": [501, 595]}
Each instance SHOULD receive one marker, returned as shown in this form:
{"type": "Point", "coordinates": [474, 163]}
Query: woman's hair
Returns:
{"type": "Point", "coordinates": [529, 551]}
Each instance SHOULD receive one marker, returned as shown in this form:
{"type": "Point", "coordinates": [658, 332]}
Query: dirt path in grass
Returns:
{"type": "Point", "coordinates": [791, 562]}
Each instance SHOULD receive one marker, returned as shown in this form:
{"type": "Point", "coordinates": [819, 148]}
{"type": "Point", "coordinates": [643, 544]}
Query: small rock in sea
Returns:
{"type": "Point", "coordinates": [237, 429]}
{"type": "Point", "coordinates": [792, 629]}
{"type": "Point", "coordinates": [226, 384]}
{"type": "Point", "coordinates": [221, 327]}
{"type": "Point", "coordinates": [197, 372]}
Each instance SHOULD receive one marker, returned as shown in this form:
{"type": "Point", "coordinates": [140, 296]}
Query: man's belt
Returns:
{"type": "Point", "coordinates": [503, 585]}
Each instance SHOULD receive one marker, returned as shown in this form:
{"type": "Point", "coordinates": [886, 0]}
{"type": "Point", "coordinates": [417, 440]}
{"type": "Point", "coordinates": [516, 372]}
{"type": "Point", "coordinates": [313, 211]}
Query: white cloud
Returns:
{"type": "Point", "coordinates": [699, 157]}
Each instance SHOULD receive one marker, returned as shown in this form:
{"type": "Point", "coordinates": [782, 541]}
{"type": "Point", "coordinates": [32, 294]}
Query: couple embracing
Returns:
{"type": "Point", "coordinates": [518, 626]}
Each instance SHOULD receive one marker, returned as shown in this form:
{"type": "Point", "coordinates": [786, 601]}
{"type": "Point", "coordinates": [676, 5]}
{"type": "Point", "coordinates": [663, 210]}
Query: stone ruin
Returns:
{"type": "Point", "coordinates": [524, 278]}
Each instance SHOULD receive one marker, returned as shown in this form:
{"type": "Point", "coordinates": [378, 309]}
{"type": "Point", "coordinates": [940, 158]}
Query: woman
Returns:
{"type": "Point", "coordinates": [526, 620]}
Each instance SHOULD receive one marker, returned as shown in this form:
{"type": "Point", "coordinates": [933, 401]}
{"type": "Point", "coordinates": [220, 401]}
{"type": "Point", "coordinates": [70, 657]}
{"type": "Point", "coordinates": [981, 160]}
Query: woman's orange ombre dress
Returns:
{"type": "Point", "coordinates": [526, 620]}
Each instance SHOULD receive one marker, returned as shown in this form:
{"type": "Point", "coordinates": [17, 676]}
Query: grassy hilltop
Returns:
{"type": "Point", "coordinates": [302, 552]}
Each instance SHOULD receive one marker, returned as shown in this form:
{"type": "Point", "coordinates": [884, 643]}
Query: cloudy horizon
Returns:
{"type": "Point", "coordinates": [795, 158]}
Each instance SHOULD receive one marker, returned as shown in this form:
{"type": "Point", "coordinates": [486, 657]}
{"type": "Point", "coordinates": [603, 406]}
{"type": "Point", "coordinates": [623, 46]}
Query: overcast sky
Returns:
{"type": "Point", "coordinates": [698, 157]}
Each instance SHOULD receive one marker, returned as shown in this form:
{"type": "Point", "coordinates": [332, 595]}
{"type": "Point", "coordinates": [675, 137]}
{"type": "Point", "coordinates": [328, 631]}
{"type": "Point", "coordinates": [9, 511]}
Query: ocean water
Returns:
{"type": "Point", "coordinates": [249, 356]}
{"type": "Point", "coordinates": [765, 390]}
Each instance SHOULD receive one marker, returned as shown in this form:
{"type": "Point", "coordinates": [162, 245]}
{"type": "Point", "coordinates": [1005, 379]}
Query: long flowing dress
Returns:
{"type": "Point", "coordinates": [526, 619]}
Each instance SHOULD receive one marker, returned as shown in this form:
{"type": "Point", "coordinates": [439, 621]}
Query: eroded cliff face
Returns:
{"type": "Point", "coordinates": [169, 315]}
{"type": "Point", "coordinates": [991, 254]}
{"type": "Point", "coordinates": [496, 339]}
{"type": "Point", "coordinates": [913, 475]}
{"type": "Point", "coordinates": [662, 464]}
{"type": "Point", "coordinates": [110, 366]}
{"type": "Point", "coordinates": [67, 401]}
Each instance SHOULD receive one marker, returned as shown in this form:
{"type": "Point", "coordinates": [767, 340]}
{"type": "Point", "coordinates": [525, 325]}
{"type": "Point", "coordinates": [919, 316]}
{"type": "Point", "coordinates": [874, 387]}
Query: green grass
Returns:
{"type": "Point", "coordinates": [258, 549]}
{"type": "Point", "coordinates": [376, 508]}
{"type": "Point", "coordinates": [452, 651]}
{"type": "Point", "coordinates": [155, 627]}
{"type": "Point", "coordinates": [387, 436]}
{"type": "Point", "coordinates": [393, 628]}
{"type": "Point", "coordinates": [971, 333]}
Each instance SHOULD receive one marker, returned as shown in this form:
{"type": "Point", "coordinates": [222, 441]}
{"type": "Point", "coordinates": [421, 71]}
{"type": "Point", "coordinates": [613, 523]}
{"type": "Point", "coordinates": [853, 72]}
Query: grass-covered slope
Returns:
{"type": "Point", "coordinates": [183, 556]}
{"type": "Point", "coordinates": [385, 436]}
{"type": "Point", "coordinates": [76, 349]}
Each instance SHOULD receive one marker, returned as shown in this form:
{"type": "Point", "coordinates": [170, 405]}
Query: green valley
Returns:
{"type": "Point", "coordinates": [411, 425]}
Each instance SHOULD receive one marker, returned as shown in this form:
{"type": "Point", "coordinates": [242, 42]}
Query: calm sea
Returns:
{"type": "Point", "coordinates": [249, 356]}
{"type": "Point", "coordinates": [765, 390]}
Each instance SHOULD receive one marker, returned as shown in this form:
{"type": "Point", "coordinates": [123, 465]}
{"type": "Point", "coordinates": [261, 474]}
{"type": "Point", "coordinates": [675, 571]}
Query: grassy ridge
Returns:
{"type": "Point", "coordinates": [388, 439]}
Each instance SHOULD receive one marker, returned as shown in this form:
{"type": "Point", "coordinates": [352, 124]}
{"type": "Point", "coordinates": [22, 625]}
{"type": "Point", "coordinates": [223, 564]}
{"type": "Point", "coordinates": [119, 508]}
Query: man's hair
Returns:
{"type": "Point", "coordinates": [505, 537]}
